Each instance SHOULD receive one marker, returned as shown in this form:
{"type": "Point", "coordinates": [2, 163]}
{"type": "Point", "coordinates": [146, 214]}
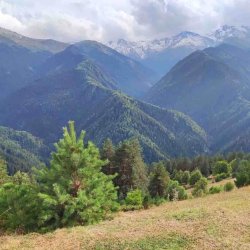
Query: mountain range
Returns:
{"type": "Point", "coordinates": [162, 54]}
{"type": "Point", "coordinates": [199, 106]}
{"type": "Point", "coordinates": [78, 89]}
{"type": "Point", "coordinates": [213, 87]}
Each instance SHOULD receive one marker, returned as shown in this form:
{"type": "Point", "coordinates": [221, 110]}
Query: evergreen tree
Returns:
{"type": "Point", "coordinates": [3, 172]}
{"type": "Point", "coordinates": [132, 173]}
{"type": "Point", "coordinates": [108, 153]}
{"type": "Point", "coordinates": [74, 190]}
{"type": "Point", "coordinates": [159, 180]}
{"type": "Point", "coordinates": [185, 177]}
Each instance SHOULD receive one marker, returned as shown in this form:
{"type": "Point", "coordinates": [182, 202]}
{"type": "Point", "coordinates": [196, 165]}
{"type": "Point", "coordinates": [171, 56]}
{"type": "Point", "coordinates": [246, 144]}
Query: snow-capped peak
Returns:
{"type": "Point", "coordinates": [227, 31]}
{"type": "Point", "coordinates": [142, 49]}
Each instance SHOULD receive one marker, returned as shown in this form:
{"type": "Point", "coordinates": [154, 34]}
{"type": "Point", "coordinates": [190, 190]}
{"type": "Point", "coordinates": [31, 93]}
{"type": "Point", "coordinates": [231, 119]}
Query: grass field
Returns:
{"type": "Point", "coordinates": [219, 221]}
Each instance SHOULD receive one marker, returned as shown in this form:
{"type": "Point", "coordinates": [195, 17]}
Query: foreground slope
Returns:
{"type": "Point", "coordinates": [83, 94]}
{"type": "Point", "coordinates": [219, 221]}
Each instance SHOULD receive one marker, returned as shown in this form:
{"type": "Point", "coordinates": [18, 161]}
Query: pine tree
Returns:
{"type": "Point", "coordinates": [74, 189]}
{"type": "Point", "coordinates": [108, 153]}
{"type": "Point", "coordinates": [132, 173]}
{"type": "Point", "coordinates": [3, 172]}
{"type": "Point", "coordinates": [159, 180]}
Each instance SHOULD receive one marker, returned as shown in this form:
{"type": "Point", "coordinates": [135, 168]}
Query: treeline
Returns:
{"type": "Point", "coordinates": [83, 185]}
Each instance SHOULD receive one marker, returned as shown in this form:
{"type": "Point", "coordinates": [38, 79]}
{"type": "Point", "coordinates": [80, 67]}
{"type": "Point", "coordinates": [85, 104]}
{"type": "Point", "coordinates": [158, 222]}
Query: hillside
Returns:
{"type": "Point", "coordinates": [18, 67]}
{"type": "Point", "coordinates": [82, 95]}
{"type": "Point", "coordinates": [219, 221]}
{"type": "Point", "coordinates": [131, 77]}
{"type": "Point", "coordinates": [21, 150]}
{"type": "Point", "coordinates": [13, 38]}
{"type": "Point", "coordinates": [212, 86]}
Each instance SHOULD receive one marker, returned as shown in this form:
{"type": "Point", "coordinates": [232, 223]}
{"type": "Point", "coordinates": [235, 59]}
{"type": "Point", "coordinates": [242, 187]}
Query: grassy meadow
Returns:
{"type": "Point", "coordinates": [219, 221]}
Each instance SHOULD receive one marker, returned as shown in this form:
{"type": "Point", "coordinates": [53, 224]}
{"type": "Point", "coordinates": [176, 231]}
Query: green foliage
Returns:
{"type": "Point", "coordinates": [134, 200]}
{"type": "Point", "coordinates": [221, 167]}
{"type": "Point", "coordinates": [220, 177]}
{"type": "Point", "coordinates": [185, 177]}
{"type": "Point", "coordinates": [21, 150]}
{"type": "Point", "coordinates": [3, 172]}
{"type": "Point", "coordinates": [74, 190]}
{"type": "Point", "coordinates": [175, 191]}
{"type": "Point", "coordinates": [195, 177]}
{"type": "Point", "coordinates": [243, 174]}
{"type": "Point", "coordinates": [215, 190]}
{"type": "Point", "coordinates": [108, 153]}
{"type": "Point", "coordinates": [159, 180]}
{"type": "Point", "coordinates": [177, 175]}
{"type": "Point", "coordinates": [131, 169]}
{"type": "Point", "coordinates": [200, 187]}
{"type": "Point", "coordinates": [20, 207]}
{"type": "Point", "coordinates": [229, 186]}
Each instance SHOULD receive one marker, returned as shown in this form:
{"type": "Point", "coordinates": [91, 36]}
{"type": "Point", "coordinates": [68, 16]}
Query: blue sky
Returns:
{"type": "Point", "coordinates": [104, 20]}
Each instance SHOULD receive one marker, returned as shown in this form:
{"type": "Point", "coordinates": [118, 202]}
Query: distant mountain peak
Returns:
{"type": "Point", "coordinates": [142, 49]}
{"type": "Point", "coordinates": [49, 45]}
{"type": "Point", "coordinates": [229, 31]}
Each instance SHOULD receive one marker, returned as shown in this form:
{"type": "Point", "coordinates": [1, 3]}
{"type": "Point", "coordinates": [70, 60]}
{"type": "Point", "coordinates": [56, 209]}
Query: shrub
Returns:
{"type": "Point", "coordinates": [229, 186]}
{"type": "Point", "coordinates": [182, 194]}
{"type": "Point", "coordinates": [221, 167]}
{"type": "Point", "coordinates": [19, 208]}
{"type": "Point", "coordinates": [175, 191]}
{"type": "Point", "coordinates": [221, 177]}
{"type": "Point", "coordinates": [200, 187]}
{"type": "Point", "coordinates": [178, 175]}
{"type": "Point", "coordinates": [195, 176]}
{"type": "Point", "coordinates": [186, 177]}
{"type": "Point", "coordinates": [134, 200]}
{"type": "Point", "coordinates": [215, 190]}
{"type": "Point", "coordinates": [243, 174]}
{"type": "Point", "coordinates": [158, 200]}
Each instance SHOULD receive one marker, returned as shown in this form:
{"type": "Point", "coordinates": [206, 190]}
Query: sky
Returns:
{"type": "Point", "coordinates": [105, 20]}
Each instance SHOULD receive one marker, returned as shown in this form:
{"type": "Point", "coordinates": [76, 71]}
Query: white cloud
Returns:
{"type": "Point", "coordinates": [74, 20]}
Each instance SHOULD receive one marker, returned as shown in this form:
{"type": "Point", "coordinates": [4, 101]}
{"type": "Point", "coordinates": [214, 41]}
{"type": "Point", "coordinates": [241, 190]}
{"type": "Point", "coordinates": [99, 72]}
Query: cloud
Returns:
{"type": "Point", "coordinates": [103, 20]}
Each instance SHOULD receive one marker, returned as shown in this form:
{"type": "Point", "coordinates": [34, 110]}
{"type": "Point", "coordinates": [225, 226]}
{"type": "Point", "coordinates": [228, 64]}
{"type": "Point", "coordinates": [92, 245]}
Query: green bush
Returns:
{"type": "Point", "coordinates": [200, 187]}
{"type": "Point", "coordinates": [158, 200]}
{"type": "Point", "coordinates": [19, 208]}
{"type": "Point", "coordinates": [215, 190]}
{"type": "Point", "coordinates": [185, 177]}
{"type": "Point", "coordinates": [243, 174]}
{"type": "Point", "coordinates": [220, 177]}
{"type": "Point", "coordinates": [134, 200]}
{"type": "Point", "coordinates": [182, 194]}
{"type": "Point", "coordinates": [175, 191]}
{"type": "Point", "coordinates": [195, 176]}
{"type": "Point", "coordinates": [221, 167]}
{"type": "Point", "coordinates": [229, 186]}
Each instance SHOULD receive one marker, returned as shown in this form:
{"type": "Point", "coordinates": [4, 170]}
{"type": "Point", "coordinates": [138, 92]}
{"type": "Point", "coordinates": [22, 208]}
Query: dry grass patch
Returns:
{"type": "Point", "coordinates": [219, 221]}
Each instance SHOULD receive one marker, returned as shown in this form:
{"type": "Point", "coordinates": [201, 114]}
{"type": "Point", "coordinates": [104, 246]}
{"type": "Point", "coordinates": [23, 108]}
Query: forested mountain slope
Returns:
{"type": "Point", "coordinates": [212, 86]}
{"type": "Point", "coordinates": [83, 94]}
{"type": "Point", "coordinates": [21, 150]}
